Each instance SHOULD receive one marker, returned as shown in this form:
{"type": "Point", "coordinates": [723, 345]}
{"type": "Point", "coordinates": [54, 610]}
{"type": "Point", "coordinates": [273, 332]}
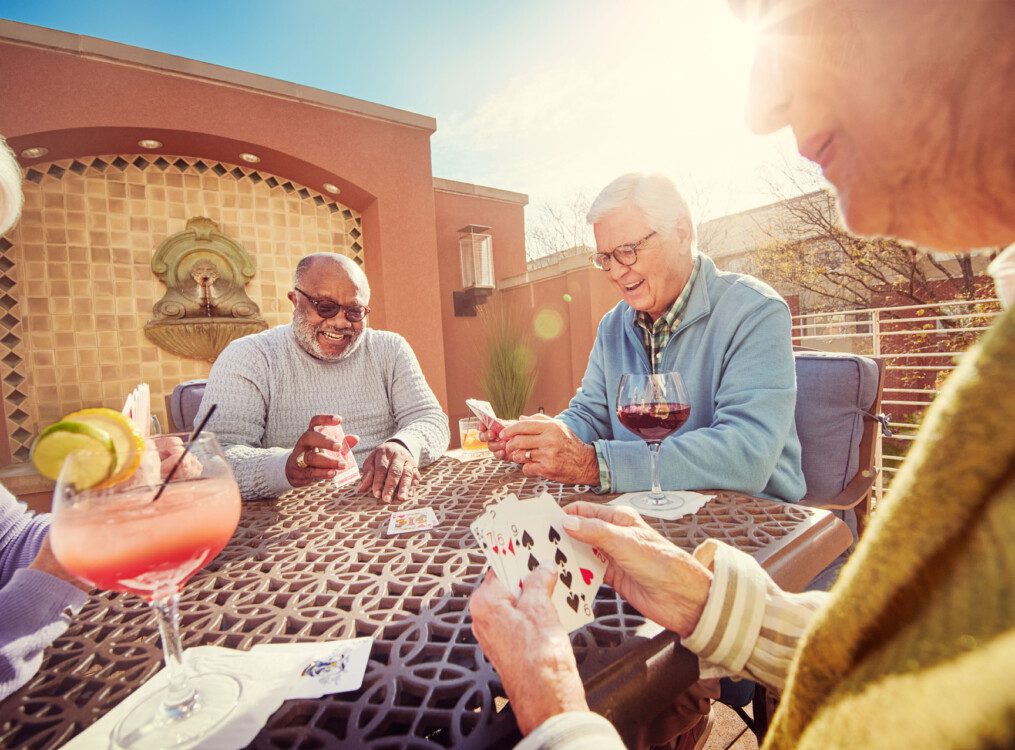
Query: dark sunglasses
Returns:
{"type": "Point", "coordinates": [327, 308]}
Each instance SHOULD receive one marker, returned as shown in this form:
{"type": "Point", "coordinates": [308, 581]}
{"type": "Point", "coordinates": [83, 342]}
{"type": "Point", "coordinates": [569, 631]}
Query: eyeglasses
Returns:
{"type": "Point", "coordinates": [625, 255]}
{"type": "Point", "coordinates": [327, 308]}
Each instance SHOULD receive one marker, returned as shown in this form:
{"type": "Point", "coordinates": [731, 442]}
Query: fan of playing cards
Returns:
{"type": "Point", "coordinates": [518, 535]}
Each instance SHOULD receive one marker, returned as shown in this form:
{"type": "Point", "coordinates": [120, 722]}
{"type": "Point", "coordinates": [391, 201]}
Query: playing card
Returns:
{"type": "Point", "coordinates": [492, 539]}
{"type": "Point", "coordinates": [351, 471]}
{"type": "Point", "coordinates": [482, 530]}
{"type": "Point", "coordinates": [416, 519]}
{"type": "Point", "coordinates": [485, 414]}
{"type": "Point", "coordinates": [535, 526]}
{"type": "Point", "coordinates": [323, 668]}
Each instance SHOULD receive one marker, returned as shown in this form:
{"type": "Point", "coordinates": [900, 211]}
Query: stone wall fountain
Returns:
{"type": "Point", "coordinates": [205, 305]}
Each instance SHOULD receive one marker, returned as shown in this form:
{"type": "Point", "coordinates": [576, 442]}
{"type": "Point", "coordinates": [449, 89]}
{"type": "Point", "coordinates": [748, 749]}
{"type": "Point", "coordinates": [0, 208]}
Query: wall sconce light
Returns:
{"type": "Point", "coordinates": [475, 248]}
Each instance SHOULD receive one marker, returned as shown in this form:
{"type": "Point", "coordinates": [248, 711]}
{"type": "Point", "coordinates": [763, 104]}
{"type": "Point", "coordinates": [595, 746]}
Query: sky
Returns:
{"type": "Point", "coordinates": [544, 97]}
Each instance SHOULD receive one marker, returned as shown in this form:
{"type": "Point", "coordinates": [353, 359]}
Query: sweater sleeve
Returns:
{"type": "Point", "coordinates": [33, 614]}
{"type": "Point", "coordinates": [588, 413]}
{"type": "Point", "coordinates": [749, 627]}
{"type": "Point", "coordinates": [574, 730]}
{"type": "Point", "coordinates": [238, 384]}
{"type": "Point", "coordinates": [420, 424]}
{"type": "Point", "coordinates": [21, 535]}
{"type": "Point", "coordinates": [32, 602]}
{"type": "Point", "coordinates": [753, 418]}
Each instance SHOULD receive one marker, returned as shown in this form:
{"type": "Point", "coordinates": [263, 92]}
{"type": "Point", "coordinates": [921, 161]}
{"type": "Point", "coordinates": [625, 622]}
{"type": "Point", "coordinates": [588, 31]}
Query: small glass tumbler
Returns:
{"type": "Point", "coordinates": [468, 431]}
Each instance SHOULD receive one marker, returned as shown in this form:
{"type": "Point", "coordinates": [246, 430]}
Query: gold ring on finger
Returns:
{"type": "Point", "coordinates": [528, 455]}
{"type": "Point", "coordinates": [301, 460]}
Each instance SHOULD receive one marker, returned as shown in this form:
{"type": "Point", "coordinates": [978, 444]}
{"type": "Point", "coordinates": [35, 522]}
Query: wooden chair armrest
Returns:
{"type": "Point", "coordinates": [851, 495]}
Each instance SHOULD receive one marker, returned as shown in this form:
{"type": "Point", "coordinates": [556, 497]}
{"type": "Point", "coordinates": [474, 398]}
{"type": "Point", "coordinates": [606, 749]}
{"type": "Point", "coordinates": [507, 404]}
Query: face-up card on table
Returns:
{"type": "Point", "coordinates": [489, 421]}
{"type": "Point", "coordinates": [416, 519]}
{"type": "Point", "coordinates": [323, 668]}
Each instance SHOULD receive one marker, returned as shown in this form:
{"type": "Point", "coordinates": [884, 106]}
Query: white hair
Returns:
{"type": "Point", "coordinates": [11, 197]}
{"type": "Point", "coordinates": [654, 194]}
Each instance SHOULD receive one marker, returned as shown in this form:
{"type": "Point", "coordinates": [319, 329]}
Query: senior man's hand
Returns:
{"type": "Point", "coordinates": [307, 464]}
{"type": "Point", "coordinates": [171, 451]}
{"type": "Point", "coordinates": [658, 578]}
{"type": "Point", "coordinates": [547, 448]}
{"type": "Point", "coordinates": [390, 469]}
{"type": "Point", "coordinates": [528, 647]}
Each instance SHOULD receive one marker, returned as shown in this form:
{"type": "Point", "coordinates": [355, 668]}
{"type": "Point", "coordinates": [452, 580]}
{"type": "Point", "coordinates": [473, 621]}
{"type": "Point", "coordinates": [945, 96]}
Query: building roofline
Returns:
{"type": "Point", "coordinates": [766, 207]}
{"type": "Point", "coordinates": [125, 54]}
{"type": "Point", "coordinates": [479, 191]}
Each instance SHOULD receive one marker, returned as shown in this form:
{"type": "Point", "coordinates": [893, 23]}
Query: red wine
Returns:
{"type": "Point", "coordinates": [653, 422]}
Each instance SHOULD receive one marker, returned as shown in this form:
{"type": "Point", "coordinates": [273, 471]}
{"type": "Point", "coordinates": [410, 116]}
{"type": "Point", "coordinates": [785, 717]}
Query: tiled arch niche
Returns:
{"type": "Point", "coordinates": [76, 285]}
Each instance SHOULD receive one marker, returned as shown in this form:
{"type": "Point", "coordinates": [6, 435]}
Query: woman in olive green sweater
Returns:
{"type": "Point", "coordinates": [907, 107]}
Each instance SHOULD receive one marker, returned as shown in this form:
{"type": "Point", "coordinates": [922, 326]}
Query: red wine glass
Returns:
{"type": "Point", "coordinates": [653, 406]}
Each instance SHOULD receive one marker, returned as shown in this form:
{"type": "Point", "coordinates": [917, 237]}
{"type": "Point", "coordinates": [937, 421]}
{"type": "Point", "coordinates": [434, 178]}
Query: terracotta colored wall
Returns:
{"type": "Point", "coordinates": [81, 258]}
{"type": "Point", "coordinates": [463, 336]}
{"type": "Point", "coordinates": [79, 105]}
{"type": "Point", "coordinates": [564, 355]}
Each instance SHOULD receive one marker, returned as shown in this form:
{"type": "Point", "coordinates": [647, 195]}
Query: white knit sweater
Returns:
{"type": "Point", "coordinates": [267, 388]}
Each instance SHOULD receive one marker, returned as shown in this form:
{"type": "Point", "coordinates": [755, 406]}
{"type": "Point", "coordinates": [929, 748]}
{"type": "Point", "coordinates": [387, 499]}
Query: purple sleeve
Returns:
{"type": "Point", "coordinates": [33, 604]}
{"type": "Point", "coordinates": [21, 535]}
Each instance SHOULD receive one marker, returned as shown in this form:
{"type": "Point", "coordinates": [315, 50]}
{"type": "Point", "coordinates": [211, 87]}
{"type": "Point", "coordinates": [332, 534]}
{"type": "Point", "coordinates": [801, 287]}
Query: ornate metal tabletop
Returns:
{"type": "Point", "coordinates": [315, 564]}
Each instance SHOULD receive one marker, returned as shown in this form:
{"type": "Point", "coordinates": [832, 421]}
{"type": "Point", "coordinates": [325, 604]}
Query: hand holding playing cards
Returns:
{"type": "Point", "coordinates": [658, 578]}
{"type": "Point", "coordinates": [547, 448]}
{"type": "Point", "coordinates": [528, 647]}
{"type": "Point", "coordinates": [308, 463]}
{"type": "Point", "coordinates": [390, 469]}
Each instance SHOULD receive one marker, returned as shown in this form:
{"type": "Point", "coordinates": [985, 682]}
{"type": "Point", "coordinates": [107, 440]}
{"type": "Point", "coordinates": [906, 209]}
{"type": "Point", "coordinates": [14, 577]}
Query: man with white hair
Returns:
{"type": "Point", "coordinates": [728, 335]}
{"type": "Point", "coordinates": [276, 391]}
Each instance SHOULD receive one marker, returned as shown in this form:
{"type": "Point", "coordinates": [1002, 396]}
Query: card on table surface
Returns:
{"type": "Point", "coordinates": [323, 668]}
{"type": "Point", "coordinates": [484, 413]}
{"type": "Point", "coordinates": [416, 519]}
{"type": "Point", "coordinates": [518, 535]}
{"type": "Point", "coordinates": [351, 471]}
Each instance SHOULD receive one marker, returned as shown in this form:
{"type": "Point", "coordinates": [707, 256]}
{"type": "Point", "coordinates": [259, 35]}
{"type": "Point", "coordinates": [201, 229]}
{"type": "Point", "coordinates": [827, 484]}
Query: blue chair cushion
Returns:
{"type": "Point", "coordinates": [833, 391]}
{"type": "Point", "coordinates": [184, 403]}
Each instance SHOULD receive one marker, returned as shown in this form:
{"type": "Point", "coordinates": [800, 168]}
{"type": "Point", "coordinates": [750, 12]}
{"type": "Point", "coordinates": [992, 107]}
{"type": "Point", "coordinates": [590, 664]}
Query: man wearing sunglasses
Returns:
{"type": "Point", "coordinates": [728, 336]}
{"type": "Point", "coordinates": [277, 389]}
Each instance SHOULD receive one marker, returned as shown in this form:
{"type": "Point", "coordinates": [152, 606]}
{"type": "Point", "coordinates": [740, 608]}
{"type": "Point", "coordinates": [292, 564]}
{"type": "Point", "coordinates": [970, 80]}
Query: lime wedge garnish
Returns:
{"type": "Point", "coordinates": [59, 440]}
{"type": "Point", "coordinates": [126, 439]}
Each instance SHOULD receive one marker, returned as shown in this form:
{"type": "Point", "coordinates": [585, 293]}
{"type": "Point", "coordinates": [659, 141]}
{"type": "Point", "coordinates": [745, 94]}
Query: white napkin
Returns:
{"type": "Point", "coordinates": [268, 675]}
{"type": "Point", "coordinates": [693, 502]}
{"type": "Point", "coordinates": [463, 455]}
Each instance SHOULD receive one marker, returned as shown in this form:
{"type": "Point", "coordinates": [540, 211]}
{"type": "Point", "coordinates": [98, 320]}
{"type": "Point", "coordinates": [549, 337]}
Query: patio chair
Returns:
{"type": "Point", "coordinates": [182, 404]}
{"type": "Point", "coordinates": [838, 413]}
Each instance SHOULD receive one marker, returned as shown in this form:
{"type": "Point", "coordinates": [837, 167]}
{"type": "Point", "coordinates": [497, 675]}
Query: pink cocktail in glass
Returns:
{"type": "Point", "coordinates": [139, 537]}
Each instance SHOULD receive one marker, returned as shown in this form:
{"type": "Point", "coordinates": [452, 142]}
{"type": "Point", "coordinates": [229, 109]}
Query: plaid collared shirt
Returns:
{"type": "Point", "coordinates": [656, 335]}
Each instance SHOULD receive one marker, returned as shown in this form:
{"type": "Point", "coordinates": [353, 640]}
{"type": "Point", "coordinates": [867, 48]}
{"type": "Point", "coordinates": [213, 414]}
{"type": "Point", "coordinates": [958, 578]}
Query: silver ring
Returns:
{"type": "Point", "coordinates": [301, 460]}
{"type": "Point", "coordinates": [528, 455]}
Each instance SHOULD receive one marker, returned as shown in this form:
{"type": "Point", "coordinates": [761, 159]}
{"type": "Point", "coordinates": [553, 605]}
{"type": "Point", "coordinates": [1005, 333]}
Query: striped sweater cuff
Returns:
{"type": "Point", "coordinates": [731, 621]}
{"type": "Point", "coordinates": [573, 730]}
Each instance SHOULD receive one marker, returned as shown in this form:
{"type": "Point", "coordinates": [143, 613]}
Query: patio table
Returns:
{"type": "Point", "coordinates": [315, 564]}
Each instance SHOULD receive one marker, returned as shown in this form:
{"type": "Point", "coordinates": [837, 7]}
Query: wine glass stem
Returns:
{"type": "Point", "coordinates": [657, 491]}
{"type": "Point", "coordinates": [181, 698]}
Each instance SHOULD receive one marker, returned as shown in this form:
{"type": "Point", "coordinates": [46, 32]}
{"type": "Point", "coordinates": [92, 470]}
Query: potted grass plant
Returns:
{"type": "Point", "coordinates": [509, 372]}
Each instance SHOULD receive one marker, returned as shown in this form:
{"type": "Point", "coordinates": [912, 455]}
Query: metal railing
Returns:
{"type": "Point", "coordinates": [920, 345]}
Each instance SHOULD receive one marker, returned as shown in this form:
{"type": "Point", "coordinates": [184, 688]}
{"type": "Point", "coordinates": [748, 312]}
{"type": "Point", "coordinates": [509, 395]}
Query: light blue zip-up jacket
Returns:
{"type": "Point", "coordinates": [734, 353]}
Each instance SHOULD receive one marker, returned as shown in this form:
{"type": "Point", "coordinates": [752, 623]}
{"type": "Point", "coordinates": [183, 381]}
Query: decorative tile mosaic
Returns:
{"type": "Point", "coordinates": [76, 285]}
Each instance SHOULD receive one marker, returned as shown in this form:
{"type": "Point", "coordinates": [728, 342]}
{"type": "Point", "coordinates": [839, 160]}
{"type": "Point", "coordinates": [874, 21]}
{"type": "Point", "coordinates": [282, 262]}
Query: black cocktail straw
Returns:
{"type": "Point", "coordinates": [186, 450]}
